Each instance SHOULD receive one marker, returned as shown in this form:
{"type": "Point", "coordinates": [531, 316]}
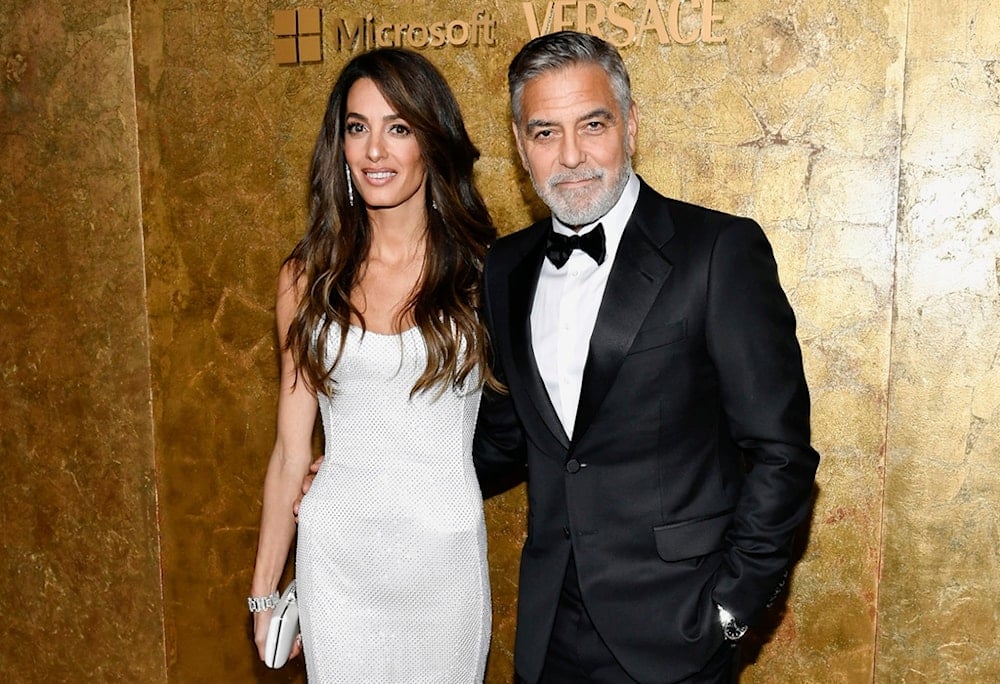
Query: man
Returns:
{"type": "Point", "coordinates": [656, 395]}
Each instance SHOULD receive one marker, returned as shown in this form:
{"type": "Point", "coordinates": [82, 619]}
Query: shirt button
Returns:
{"type": "Point", "coordinates": [572, 466]}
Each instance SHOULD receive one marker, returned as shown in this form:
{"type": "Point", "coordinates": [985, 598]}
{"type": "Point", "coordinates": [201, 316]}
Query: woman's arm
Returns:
{"type": "Point", "coordinates": [289, 460]}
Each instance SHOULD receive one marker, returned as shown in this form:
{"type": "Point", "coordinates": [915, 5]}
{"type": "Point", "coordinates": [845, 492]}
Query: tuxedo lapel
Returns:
{"type": "Point", "coordinates": [637, 276]}
{"type": "Point", "coordinates": [522, 285]}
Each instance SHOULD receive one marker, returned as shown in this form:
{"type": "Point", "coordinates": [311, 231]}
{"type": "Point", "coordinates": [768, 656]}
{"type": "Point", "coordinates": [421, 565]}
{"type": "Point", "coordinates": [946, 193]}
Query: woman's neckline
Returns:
{"type": "Point", "coordinates": [369, 331]}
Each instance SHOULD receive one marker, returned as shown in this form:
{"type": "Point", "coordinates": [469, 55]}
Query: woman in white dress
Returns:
{"type": "Point", "coordinates": [379, 330]}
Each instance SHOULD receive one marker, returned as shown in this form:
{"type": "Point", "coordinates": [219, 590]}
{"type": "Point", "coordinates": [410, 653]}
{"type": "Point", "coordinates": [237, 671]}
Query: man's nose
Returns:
{"type": "Point", "coordinates": [571, 153]}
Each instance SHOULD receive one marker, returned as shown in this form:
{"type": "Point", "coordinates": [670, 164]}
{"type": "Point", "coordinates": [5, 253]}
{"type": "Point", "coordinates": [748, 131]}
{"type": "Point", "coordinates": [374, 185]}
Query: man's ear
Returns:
{"type": "Point", "coordinates": [519, 144]}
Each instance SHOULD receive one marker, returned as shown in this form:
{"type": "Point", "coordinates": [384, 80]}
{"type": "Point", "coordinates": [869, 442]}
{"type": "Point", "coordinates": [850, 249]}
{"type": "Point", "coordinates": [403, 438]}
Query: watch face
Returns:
{"type": "Point", "coordinates": [733, 630]}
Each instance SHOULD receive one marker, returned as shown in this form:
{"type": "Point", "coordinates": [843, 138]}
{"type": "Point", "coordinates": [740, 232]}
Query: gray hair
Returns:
{"type": "Point", "coordinates": [563, 49]}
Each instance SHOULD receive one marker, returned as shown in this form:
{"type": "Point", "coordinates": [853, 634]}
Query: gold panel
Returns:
{"type": "Point", "coordinates": [285, 22]}
{"type": "Point", "coordinates": [938, 606]}
{"type": "Point", "coordinates": [309, 20]}
{"type": "Point", "coordinates": [79, 560]}
{"type": "Point", "coordinates": [286, 50]}
{"type": "Point", "coordinates": [310, 49]}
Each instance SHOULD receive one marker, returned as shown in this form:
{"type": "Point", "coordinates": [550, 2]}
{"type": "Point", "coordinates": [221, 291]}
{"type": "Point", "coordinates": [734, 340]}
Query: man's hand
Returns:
{"type": "Point", "coordinates": [306, 484]}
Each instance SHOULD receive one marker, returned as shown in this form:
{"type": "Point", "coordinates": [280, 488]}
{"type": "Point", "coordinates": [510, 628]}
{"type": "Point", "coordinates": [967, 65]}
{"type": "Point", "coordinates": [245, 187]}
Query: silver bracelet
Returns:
{"type": "Point", "coordinates": [259, 604]}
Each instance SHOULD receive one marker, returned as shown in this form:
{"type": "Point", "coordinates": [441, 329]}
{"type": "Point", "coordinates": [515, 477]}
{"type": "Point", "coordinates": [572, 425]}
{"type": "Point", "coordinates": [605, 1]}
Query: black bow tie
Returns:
{"type": "Point", "coordinates": [558, 247]}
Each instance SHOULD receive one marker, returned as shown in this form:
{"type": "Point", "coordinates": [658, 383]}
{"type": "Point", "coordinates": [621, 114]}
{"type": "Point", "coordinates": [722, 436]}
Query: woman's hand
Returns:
{"type": "Point", "coordinates": [261, 621]}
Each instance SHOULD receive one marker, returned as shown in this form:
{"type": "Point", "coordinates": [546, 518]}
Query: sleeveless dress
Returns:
{"type": "Point", "coordinates": [391, 554]}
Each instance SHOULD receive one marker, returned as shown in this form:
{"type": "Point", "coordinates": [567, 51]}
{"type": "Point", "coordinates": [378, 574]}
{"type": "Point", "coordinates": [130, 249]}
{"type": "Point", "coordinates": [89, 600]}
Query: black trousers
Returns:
{"type": "Point", "coordinates": [577, 653]}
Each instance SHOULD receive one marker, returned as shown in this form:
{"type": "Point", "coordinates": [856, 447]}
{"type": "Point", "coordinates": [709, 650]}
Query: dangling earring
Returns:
{"type": "Point", "coordinates": [350, 187]}
{"type": "Point", "coordinates": [434, 205]}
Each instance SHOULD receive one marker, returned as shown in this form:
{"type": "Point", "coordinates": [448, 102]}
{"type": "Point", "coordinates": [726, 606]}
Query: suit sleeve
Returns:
{"type": "Point", "coordinates": [750, 330]}
{"type": "Point", "coordinates": [498, 449]}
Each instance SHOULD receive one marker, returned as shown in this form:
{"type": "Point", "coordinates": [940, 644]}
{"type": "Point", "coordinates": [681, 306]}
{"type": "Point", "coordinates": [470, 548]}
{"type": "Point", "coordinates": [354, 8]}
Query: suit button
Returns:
{"type": "Point", "coordinates": [566, 532]}
{"type": "Point", "coordinates": [572, 466]}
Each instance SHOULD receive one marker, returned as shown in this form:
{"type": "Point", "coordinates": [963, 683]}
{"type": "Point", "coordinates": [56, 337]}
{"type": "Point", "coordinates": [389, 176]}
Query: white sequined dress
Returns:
{"type": "Point", "coordinates": [391, 558]}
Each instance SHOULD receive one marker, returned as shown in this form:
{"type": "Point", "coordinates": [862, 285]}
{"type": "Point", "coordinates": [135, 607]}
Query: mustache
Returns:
{"type": "Point", "coordinates": [574, 176]}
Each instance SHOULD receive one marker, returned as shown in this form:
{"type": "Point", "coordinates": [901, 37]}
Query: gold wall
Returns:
{"type": "Point", "coordinates": [941, 547]}
{"type": "Point", "coordinates": [79, 558]}
{"type": "Point", "coordinates": [152, 177]}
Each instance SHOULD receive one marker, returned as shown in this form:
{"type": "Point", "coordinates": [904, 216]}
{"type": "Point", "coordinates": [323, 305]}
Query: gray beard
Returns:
{"type": "Point", "coordinates": [584, 206]}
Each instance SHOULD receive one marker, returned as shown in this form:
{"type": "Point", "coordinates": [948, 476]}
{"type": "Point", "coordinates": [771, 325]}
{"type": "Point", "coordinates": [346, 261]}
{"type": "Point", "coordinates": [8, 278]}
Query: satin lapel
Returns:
{"type": "Point", "coordinates": [637, 276]}
{"type": "Point", "coordinates": [523, 281]}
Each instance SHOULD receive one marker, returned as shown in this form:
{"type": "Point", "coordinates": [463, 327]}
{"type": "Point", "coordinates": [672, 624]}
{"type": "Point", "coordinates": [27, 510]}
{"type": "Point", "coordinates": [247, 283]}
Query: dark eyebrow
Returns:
{"type": "Point", "coordinates": [538, 123]}
{"type": "Point", "coordinates": [599, 113]}
{"type": "Point", "coordinates": [387, 117]}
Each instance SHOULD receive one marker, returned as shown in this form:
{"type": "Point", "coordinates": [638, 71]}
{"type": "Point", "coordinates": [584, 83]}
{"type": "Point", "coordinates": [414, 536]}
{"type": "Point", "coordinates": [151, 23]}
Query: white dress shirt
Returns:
{"type": "Point", "coordinates": [565, 308]}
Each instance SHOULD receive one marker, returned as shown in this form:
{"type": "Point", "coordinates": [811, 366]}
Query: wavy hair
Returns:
{"type": "Point", "coordinates": [562, 49]}
{"type": "Point", "coordinates": [328, 262]}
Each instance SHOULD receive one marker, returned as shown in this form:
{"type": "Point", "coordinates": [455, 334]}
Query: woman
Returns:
{"type": "Point", "coordinates": [378, 327]}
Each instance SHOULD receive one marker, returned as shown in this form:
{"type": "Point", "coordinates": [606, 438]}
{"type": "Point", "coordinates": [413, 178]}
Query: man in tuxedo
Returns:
{"type": "Point", "coordinates": [655, 395]}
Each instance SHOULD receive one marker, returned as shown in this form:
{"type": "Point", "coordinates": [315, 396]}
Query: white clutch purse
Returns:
{"type": "Point", "coordinates": [282, 629]}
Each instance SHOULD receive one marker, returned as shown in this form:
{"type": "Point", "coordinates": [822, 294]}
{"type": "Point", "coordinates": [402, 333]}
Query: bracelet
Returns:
{"type": "Point", "coordinates": [259, 604]}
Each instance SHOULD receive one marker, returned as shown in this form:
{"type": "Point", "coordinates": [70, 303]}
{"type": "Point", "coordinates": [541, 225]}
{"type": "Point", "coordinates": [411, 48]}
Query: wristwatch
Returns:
{"type": "Point", "coordinates": [732, 628]}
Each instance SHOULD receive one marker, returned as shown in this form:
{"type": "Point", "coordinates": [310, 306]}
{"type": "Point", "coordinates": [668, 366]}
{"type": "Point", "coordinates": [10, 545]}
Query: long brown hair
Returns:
{"type": "Point", "coordinates": [329, 260]}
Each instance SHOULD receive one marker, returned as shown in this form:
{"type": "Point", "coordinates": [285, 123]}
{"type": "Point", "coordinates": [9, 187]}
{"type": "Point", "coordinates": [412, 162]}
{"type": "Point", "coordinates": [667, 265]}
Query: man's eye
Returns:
{"type": "Point", "coordinates": [594, 126]}
{"type": "Point", "coordinates": [542, 135]}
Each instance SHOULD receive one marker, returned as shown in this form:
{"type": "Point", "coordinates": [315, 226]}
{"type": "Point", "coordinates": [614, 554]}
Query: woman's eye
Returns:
{"type": "Point", "coordinates": [399, 129]}
{"type": "Point", "coordinates": [355, 127]}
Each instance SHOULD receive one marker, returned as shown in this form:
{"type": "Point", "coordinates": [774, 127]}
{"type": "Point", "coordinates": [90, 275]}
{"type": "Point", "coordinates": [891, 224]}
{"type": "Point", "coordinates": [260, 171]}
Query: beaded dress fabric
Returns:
{"type": "Point", "coordinates": [391, 557]}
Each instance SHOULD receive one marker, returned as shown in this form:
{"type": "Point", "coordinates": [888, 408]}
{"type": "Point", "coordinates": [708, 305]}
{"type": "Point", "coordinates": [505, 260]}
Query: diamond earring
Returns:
{"type": "Point", "coordinates": [350, 186]}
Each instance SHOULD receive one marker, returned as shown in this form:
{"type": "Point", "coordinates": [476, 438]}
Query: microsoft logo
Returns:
{"type": "Point", "coordinates": [298, 36]}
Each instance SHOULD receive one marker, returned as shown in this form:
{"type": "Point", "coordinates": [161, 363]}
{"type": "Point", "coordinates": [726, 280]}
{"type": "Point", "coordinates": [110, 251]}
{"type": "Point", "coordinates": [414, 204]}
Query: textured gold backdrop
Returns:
{"type": "Point", "coordinates": [152, 177]}
{"type": "Point", "coordinates": [79, 559]}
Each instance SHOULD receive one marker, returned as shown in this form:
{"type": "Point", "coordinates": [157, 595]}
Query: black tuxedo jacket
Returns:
{"type": "Point", "coordinates": [690, 466]}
